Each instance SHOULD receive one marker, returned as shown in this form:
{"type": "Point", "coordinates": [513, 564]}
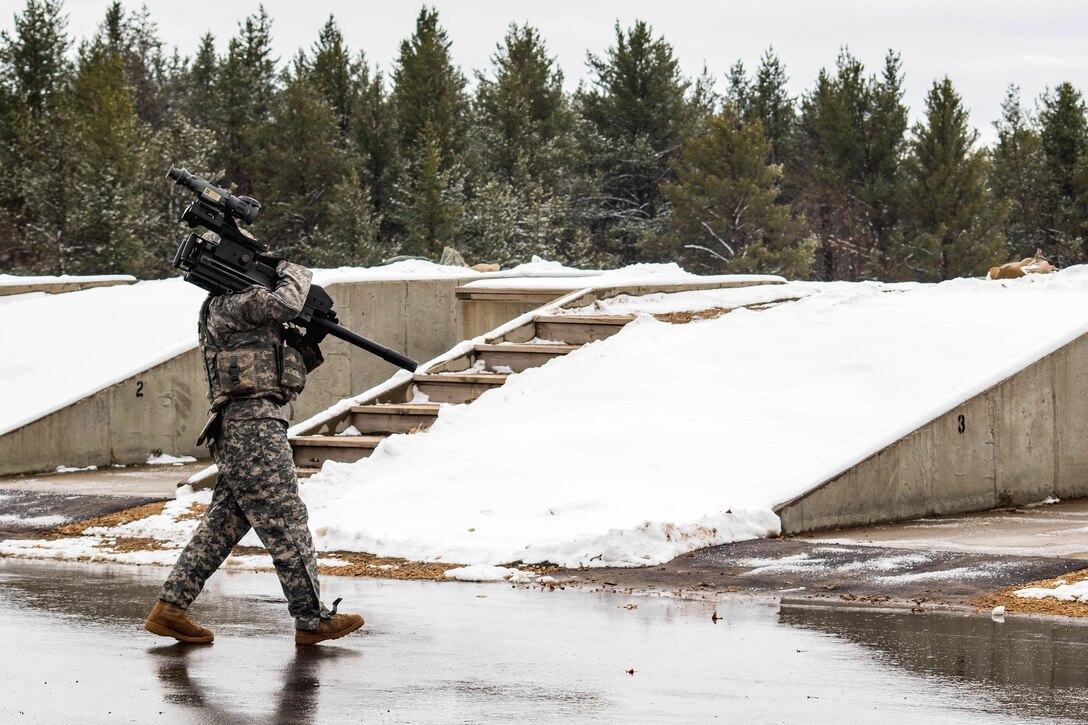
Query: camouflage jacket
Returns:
{"type": "Point", "coordinates": [246, 357]}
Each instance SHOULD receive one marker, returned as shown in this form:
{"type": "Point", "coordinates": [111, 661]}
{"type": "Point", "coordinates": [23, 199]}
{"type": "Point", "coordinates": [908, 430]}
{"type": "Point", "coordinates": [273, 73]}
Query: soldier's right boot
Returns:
{"type": "Point", "coordinates": [170, 620]}
{"type": "Point", "coordinates": [333, 628]}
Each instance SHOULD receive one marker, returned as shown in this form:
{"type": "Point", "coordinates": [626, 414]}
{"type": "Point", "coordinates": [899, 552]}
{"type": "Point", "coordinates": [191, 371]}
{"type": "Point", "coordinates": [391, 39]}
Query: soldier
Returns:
{"type": "Point", "coordinates": [255, 363]}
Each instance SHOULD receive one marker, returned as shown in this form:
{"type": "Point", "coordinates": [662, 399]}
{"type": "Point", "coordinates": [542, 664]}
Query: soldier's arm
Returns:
{"type": "Point", "coordinates": [260, 306]}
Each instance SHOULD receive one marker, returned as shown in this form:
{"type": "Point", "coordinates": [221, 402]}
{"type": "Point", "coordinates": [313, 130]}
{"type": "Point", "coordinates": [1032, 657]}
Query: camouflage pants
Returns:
{"type": "Point", "coordinates": [257, 488]}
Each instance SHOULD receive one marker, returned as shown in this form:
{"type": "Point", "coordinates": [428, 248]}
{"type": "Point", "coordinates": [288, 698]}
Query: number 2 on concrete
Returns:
{"type": "Point", "coordinates": [140, 389]}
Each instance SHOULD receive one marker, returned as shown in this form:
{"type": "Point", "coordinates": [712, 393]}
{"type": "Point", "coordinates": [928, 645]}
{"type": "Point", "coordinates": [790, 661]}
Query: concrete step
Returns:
{"type": "Point", "coordinates": [518, 357]}
{"type": "Point", "coordinates": [457, 388]}
{"type": "Point", "coordinates": [579, 329]}
{"type": "Point", "coordinates": [313, 451]}
{"type": "Point", "coordinates": [393, 418]}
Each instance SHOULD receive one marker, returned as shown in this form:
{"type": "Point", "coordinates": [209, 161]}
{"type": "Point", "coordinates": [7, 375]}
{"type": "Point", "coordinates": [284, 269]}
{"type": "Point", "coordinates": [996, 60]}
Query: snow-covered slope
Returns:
{"type": "Point", "coordinates": [61, 348]}
{"type": "Point", "coordinates": [665, 438]}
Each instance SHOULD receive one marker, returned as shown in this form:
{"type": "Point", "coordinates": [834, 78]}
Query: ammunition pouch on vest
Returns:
{"type": "Point", "coordinates": [256, 372]}
{"type": "Point", "coordinates": [253, 369]}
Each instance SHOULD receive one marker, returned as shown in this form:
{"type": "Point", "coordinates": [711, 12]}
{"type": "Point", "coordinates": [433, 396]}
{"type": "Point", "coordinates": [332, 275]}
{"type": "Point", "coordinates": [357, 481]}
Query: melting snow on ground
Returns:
{"type": "Point", "coordinates": [1061, 591]}
{"type": "Point", "coordinates": [667, 438]}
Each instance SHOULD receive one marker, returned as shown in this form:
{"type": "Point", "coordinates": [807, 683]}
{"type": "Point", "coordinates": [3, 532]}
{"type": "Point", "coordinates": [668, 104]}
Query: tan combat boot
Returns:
{"type": "Point", "coordinates": [170, 620]}
{"type": "Point", "coordinates": [333, 628]}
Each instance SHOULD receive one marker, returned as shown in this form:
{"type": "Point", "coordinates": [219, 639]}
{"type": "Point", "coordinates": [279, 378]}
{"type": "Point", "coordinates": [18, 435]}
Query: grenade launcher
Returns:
{"type": "Point", "coordinates": [231, 259]}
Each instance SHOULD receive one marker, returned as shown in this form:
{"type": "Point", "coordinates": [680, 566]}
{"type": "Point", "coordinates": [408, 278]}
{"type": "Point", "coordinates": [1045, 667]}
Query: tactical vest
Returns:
{"type": "Point", "coordinates": [254, 363]}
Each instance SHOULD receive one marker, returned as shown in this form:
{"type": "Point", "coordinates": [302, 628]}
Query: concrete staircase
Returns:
{"type": "Point", "coordinates": [413, 406]}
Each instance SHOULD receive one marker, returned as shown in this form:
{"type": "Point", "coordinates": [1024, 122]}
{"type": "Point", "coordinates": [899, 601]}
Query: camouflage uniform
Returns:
{"type": "Point", "coordinates": [252, 373]}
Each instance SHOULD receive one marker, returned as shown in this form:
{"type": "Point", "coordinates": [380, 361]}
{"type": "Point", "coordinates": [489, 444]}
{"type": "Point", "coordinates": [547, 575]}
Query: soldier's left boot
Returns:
{"type": "Point", "coordinates": [170, 620]}
{"type": "Point", "coordinates": [336, 626]}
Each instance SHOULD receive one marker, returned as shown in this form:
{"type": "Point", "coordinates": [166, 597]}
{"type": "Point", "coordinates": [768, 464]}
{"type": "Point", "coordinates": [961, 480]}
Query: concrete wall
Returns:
{"type": "Point", "coordinates": [1018, 442]}
{"type": "Point", "coordinates": [165, 407]}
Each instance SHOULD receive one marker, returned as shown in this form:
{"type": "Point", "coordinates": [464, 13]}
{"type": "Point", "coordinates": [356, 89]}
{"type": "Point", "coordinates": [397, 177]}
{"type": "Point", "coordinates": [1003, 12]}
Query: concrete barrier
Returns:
{"type": "Point", "coordinates": [1018, 442]}
{"type": "Point", "coordinates": [164, 407]}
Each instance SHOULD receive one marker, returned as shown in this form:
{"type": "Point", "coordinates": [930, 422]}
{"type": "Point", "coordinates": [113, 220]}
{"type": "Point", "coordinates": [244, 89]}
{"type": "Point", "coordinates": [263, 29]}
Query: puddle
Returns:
{"type": "Point", "coordinates": [442, 652]}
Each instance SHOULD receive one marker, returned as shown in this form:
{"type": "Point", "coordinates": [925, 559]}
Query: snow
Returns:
{"type": "Point", "coordinates": [632, 275]}
{"type": "Point", "coordinates": [1062, 592]}
{"type": "Point", "coordinates": [481, 573]}
{"type": "Point", "coordinates": [33, 521]}
{"type": "Point", "coordinates": [165, 459]}
{"type": "Point", "coordinates": [71, 345]}
{"type": "Point", "coordinates": [14, 280]}
{"type": "Point", "coordinates": [667, 438]}
{"type": "Point", "coordinates": [660, 303]}
{"type": "Point", "coordinates": [409, 269]}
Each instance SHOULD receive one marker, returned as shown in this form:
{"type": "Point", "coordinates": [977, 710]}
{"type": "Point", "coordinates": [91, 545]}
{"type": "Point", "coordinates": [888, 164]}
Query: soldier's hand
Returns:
{"type": "Point", "coordinates": [293, 337]}
{"type": "Point", "coordinates": [316, 335]}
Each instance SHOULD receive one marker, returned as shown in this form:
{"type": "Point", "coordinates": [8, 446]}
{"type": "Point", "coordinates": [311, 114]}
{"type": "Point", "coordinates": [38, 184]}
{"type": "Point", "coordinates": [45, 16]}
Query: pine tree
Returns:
{"type": "Point", "coordinates": [738, 88]}
{"type": "Point", "coordinates": [302, 161]}
{"type": "Point", "coordinates": [727, 215]}
{"type": "Point", "coordinates": [524, 133]}
{"type": "Point", "coordinates": [955, 228]}
{"type": "Point", "coordinates": [770, 102]}
{"type": "Point", "coordinates": [335, 74]}
{"type": "Point", "coordinates": [33, 71]}
{"type": "Point", "coordinates": [95, 229]}
{"type": "Point", "coordinates": [429, 91]}
{"type": "Point", "coordinates": [33, 59]}
{"type": "Point", "coordinates": [155, 222]}
{"type": "Point", "coordinates": [848, 166]}
{"type": "Point", "coordinates": [521, 109]}
{"type": "Point", "coordinates": [431, 109]}
{"type": "Point", "coordinates": [200, 104]}
{"type": "Point", "coordinates": [134, 38]}
{"type": "Point", "coordinates": [245, 91]}
{"type": "Point", "coordinates": [638, 115]}
{"type": "Point", "coordinates": [1064, 137]}
{"type": "Point", "coordinates": [377, 158]}
{"type": "Point", "coordinates": [349, 235]}
{"type": "Point", "coordinates": [1018, 178]}
{"type": "Point", "coordinates": [432, 207]}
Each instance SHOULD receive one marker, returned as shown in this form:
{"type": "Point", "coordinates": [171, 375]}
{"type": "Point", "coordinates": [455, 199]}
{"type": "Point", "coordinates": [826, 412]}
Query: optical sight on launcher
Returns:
{"type": "Point", "coordinates": [231, 259]}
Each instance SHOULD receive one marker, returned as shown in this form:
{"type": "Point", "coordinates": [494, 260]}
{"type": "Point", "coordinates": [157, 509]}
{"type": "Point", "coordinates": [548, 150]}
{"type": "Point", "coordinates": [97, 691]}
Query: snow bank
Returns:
{"type": "Point", "coordinates": [666, 438]}
{"type": "Point", "coordinates": [15, 280]}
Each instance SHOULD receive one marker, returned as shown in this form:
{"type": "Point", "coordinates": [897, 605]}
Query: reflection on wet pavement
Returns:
{"type": "Point", "coordinates": [74, 651]}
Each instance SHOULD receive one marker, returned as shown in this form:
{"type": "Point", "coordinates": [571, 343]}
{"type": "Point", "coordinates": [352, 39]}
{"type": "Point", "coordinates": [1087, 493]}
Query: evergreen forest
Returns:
{"type": "Point", "coordinates": [726, 172]}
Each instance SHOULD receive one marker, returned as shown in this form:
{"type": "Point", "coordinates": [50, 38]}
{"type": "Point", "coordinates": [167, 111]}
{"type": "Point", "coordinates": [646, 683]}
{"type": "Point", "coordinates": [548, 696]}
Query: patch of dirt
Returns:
{"type": "Point", "coordinates": [76, 528]}
{"type": "Point", "coordinates": [359, 564]}
{"type": "Point", "coordinates": [380, 567]}
{"type": "Point", "coordinates": [1050, 605]}
{"type": "Point", "coordinates": [125, 544]}
{"type": "Point", "coordinates": [681, 318]}
{"type": "Point", "coordinates": [196, 511]}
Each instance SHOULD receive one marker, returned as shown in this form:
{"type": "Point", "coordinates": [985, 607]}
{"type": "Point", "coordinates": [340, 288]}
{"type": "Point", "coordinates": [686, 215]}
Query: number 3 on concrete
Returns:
{"type": "Point", "coordinates": [961, 423]}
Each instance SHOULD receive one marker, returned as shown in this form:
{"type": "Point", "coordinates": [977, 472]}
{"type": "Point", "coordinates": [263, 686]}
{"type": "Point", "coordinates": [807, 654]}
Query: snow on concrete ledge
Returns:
{"type": "Point", "coordinates": [670, 274]}
{"type": "Point", "coordinates": [15, 280]}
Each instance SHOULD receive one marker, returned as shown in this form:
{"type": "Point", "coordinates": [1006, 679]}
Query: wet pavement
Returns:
{"type": "Point", "coordinates": [74, 651]}
{"type": "Point", "coordinates": [31, 504]}
{"type": "Point", "coordinates": [1059, 529]}
{"type": "Point", "coordinates": [835, 572]}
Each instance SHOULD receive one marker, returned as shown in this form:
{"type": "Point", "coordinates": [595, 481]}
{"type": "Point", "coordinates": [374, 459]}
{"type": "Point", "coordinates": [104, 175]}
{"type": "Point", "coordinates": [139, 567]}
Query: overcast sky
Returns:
{"type": "Point", "coordinates": [981, 45]}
